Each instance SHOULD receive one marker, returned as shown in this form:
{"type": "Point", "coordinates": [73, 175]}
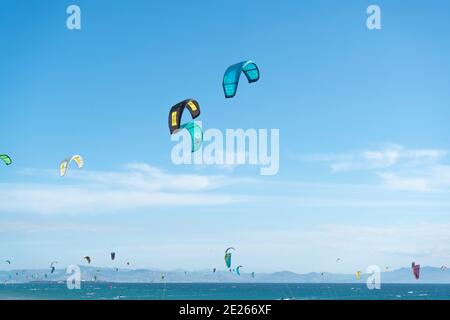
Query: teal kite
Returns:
{"type": "Point", "coordinates": [238, 270]}
{"type": "Point", "coordinates": [228, 257]}
{"type": "Point", "coordinates": [196, 133]}
{"type": "Point", "coordinates": [233, 73]}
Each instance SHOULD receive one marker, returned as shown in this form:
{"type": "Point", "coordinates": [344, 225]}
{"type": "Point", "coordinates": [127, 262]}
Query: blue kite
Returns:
{"type": "Point", "coordinates": [233, 73]}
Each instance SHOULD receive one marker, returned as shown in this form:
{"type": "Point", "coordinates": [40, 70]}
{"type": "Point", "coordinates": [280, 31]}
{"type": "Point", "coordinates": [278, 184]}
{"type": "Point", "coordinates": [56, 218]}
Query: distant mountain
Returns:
{"type": "Point", "coordinates": [403, 275]}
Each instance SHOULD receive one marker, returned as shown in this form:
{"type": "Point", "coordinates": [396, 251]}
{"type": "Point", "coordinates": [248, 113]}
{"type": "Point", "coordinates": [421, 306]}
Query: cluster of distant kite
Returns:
{"type": "Point", "coordinates": [228, 255]}
{"type": "Point", "coordinates": [89, 260]}
{"type": "Point", "coordinates": [62, 167]}
{"type": "Point", "coordinates": [415, 268]}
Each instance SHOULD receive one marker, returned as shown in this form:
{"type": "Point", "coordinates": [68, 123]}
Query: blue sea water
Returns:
{"type": "Point", "coordinates": [211, 291]}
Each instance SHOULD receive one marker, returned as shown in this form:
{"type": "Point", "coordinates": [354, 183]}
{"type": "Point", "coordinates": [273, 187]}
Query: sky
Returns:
{"type": "Point", "coordinates": [364, 171]}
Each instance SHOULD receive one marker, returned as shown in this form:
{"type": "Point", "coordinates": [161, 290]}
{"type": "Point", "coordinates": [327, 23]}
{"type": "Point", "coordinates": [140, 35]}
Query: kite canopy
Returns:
{"type": "Point", "coordinates": [228, 257]}
{"type": "Point", "coordinates": [228, 260]}
{"type": "Point", "coordinates": [52, 266]}
{"type": "Point", "coordinates": [233, 73]}
{"type": "Point", "coordinates": [196, 134]}
{"type": "Point", "coordinates": [88, 259]}
{"type": "Point", "coordinates": [113, 255]}
{"type": "Point", "coordinates": [253, 274]}
{"type": "Point", "coordinates": [238, 270]}
{"type": "Point", "coordinates": [6, 159]}
{"type": "Point", "coordinates": [358, 274]}
{"type": "Point", "coordinates": [66, 162]}
{"type": "Point", "coordinates": [8, 261]}
{"type": "Point", "coordinates": [230, 248]}
{"type": "Point", "coordinates": [416, 270]}
{"type": "Point", "coordinates": [177, 111]}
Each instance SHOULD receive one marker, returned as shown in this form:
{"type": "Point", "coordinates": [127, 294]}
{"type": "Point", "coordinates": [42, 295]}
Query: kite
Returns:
{"type": "Point", "coordinates": [228, 257]}
{"type": "Point", "coordinates": [358, 275]}
{"type": "Point", "coordinates": [177, 111]}
{"type": "Point", "coordinates": [88, 259]}
{"type": "Point", "coordinates": [253, 275]}
{"type": "Point", "coordinates": [113, 255]}
{"type": "Point", "coordinates": [214, 270]}
{"type": "Point", "coordinates": [6, 159]}
{"type": "Point", "coordinates": [175, 114]}
{"type": "Point", "coordinates": [8, 261]}
{"type": "Point", "coordinates": [66, 162]}
{"type": "Point", "coordinates": [444, 268]}
{"type": "Point", "coordinates": [233, 73]}
{"type": "Point", "coordinates": [52, 266]}
{"type": "Point", "coordinates": [338, 260]}
{"type": "Point", "coordinates": [196, 134]}
{"type": "Point", "coordinates": [238, 270]}
{"type": "Point", "coordinates": [416, 270]}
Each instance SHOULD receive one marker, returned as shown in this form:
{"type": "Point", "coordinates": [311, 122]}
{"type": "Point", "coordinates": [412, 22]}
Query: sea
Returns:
{"type": "Point", "coordinates": [222, 291]}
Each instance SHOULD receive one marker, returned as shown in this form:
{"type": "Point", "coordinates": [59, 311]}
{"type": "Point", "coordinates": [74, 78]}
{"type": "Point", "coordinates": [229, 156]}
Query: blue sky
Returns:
{"type": "Point", "coordinates": [363, 119]}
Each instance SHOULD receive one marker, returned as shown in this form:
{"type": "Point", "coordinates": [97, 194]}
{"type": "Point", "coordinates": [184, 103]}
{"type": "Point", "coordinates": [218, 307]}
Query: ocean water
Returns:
{"type": "Point", "coordinates": [211, 291]}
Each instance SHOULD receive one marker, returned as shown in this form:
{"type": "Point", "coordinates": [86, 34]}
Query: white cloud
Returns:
{"type": "Point", "coordinates": [394, 181]}
{"type": "Point", "coordinates": [431, 178]}
{"type": "Point", "coordinates": [24, 226]}
{"type": "Point", "coordinates": [139, 186]}
{"type": "Point", "coordinates": [398, 168]}
{"type": "Point", "coordinates": [387, 157]}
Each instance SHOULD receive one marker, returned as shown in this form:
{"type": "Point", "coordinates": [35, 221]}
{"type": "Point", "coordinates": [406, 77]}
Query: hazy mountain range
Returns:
{"type": "Point", "coordinates": [403, 275]}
